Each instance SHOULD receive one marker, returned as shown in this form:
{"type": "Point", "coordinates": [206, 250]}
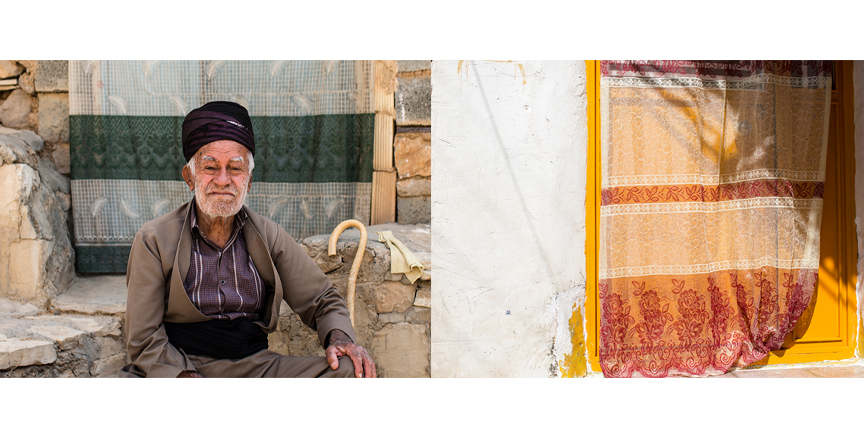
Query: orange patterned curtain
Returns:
{"type": "Point", "coordinates": [711, 203]}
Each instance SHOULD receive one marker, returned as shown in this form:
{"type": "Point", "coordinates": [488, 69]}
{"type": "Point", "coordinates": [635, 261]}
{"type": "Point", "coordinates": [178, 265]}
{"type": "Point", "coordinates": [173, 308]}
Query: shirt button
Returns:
{"type": "Point", "coordinates": [223, 282]}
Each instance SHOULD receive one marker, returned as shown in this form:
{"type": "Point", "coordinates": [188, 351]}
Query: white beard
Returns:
{"type": "Point", "coordinates": [220, 206]}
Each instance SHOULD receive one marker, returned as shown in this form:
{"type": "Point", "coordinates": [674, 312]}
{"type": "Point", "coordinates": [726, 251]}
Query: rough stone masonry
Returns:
{"type": "Point", "coordinates": [412, 147]}
{"type": "Point", "coordinates": [36, 255]}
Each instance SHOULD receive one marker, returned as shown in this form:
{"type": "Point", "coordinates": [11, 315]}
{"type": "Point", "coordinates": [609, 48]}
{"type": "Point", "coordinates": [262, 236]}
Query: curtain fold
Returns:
{"type": "Point", "coordinates": [711, 204]}
{"type": "Point", "coordinates": [314, 126]}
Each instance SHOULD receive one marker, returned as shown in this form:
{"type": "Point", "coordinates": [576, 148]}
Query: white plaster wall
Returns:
{"type": "Point", "coordinates": [508, 214]}
{"type": "Point", "coordinates": [858, 85]}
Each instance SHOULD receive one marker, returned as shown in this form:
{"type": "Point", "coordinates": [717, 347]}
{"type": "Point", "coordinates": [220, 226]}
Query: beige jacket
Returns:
{"type": "Point", "coordinates": [157, 269]}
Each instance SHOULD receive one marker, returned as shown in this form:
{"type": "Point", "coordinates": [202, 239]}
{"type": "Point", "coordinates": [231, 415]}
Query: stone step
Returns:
{"type": "Point", "coordinates": [64, 345]}
{"type": "Point", "coordinates": [103, 294]}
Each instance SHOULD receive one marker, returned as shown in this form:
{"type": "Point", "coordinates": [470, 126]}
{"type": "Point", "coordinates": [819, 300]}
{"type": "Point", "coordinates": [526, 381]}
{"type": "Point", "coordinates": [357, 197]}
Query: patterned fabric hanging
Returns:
{"type": "Point", "coordinates": [711, 204]}
{"type": "Point", "coordinates": [314, 131]}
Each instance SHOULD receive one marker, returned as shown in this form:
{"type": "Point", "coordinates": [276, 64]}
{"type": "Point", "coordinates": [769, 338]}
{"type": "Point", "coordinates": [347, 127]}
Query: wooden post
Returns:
{"type": "Point", "coordinates": [384, 175]}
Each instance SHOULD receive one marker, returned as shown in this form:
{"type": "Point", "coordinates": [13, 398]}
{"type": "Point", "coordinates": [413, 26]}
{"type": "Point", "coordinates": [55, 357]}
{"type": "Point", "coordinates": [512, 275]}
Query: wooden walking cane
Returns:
{"type": "Point", "coordinates": [358, 258]}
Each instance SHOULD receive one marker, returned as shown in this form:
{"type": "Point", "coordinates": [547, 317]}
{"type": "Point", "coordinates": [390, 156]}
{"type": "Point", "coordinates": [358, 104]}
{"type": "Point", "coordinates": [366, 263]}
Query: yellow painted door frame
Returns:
{"type": "Point", "coordinates": [827, 331]}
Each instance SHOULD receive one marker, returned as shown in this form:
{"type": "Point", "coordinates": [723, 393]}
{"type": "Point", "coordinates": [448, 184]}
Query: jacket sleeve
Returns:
{"type": "Point", "coordinates": [308, 291]}
{"type": "Point", "coordinates": [146, 339]}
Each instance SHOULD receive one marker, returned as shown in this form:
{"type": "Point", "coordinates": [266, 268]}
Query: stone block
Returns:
{"type": "Point", "coordinates": [414, 101]}
{"type": "Point", "coordinates": [108, 367]}
{"type": "Point", "coordinates": [18, 353]}
{"type": "Point", "coordinates": [418, 315]}
{"type": "Point", "coordinates": [52, 178]}
{"type": "Point", "coordinates": [303, 341]}
{"type": "Point", "coordinates": [52, 76]}
{"type": "Point", "coordinates": [414, 187]}
{"type": "Point", "coordinates": [65, 201]}
{"type": "Point", "coordinates": [376, 258]}
{"type": "Point", "coordinates": [393, 297]}
{"type": "Point", "coordinates": [16, 309]}
{"type": "Point", "coordinates": [405, 66]}
{"type": "Point", "coordinates": [17, 182]}
{"type": "Point", "coordinates": [97, 326]}
{"type": "Point", "coordinates": [15, 109]}
{"type": "Point", "coordinates": [401, 351]}
{"type": "Point", "coordinates": [26, 82]}
{"type": "Point", "coordinates": [109, 347]}
{"type": "Point", "coordinates": [423, 298]}
{"type": "Point", "coordinates": [66, 337]}
{"type": "Point", "coordinates": [62, 158]}
{"type": "Point", "coordinates": [14, 148]}
{"type": "Point", "coordinates": [391, 318]}
{"type": "Point", "coordinates": [26, 270]}
{"type": "Point", "coordinates": [36, 254]}
{"type": "Point", "coordinates": [29, 65]}
{"type": "Point", "coordinates": [54, 116]}
{"type": "Point", "coordinates": [105, 294]}
{"type": "Point", "coordinates": [10, 69]}
{"type": "Point", "coordinates": [107, 326]}
{"type": "Point", "coordinates": [412, 152]}
{"type": "Point", "coordinates": [32, 140]}
{"type": "Point", "coordinates": [410, 210]}
{"type": "Point", "coordinates": [279, 341]}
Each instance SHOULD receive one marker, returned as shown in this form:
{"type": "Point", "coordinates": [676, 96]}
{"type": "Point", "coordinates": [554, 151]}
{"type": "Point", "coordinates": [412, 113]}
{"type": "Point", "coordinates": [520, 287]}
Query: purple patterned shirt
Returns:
{"type": "Point", "coordinates": [224, 284]}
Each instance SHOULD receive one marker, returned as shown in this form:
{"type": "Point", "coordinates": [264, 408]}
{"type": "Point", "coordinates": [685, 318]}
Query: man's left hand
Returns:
{"type": "Point", "coordinates": [341, 345]}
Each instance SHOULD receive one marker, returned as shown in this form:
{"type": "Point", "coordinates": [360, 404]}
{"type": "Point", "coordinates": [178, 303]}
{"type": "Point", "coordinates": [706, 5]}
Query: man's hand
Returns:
{"type": "Point", "coordinates": [341, 345]}
{"type": "Point", "coordinates": [189, 374]}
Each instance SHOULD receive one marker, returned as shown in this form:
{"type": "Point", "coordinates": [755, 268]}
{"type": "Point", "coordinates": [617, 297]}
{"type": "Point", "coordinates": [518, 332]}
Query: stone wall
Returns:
{"type": "Point", "coordinates": [36, 256]}
{"type": "Point", "coordinates": [391, 315]}
{"type": "Point", "coordinates": [412, 148]}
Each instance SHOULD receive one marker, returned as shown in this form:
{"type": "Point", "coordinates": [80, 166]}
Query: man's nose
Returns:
{"type": "Point", "coordinates": [222, 177]}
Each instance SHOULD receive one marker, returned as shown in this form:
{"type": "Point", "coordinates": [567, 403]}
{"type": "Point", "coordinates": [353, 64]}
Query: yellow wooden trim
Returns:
{"type": "Point", "coordinates": [592, 211]}
{"type": "Point", "coordinates": [843, 345]}
{"type": "Point", "coordinates": [850, 276]}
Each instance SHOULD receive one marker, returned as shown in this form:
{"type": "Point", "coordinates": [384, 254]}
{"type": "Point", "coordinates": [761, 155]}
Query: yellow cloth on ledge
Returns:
{"type": "Point", "coordinates": [401, 258]}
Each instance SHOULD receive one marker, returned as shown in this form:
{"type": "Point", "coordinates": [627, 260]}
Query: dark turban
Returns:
{"type": "Point", "coordinates": [217, 121]}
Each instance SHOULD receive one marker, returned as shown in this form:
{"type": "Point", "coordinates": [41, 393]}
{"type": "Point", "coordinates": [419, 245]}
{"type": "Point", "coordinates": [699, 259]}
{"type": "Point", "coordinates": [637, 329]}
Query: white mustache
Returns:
{"type": "Point", "coordinates": [233, 190]}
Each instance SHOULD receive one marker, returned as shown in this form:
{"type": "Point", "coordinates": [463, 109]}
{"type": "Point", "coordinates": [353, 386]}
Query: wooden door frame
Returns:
{"type": "Point", "coordinates": [847, 267]}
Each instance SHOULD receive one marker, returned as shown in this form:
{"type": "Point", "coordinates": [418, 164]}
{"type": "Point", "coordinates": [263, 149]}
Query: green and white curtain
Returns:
{"type": "Point", "coordinates": [314, 130]}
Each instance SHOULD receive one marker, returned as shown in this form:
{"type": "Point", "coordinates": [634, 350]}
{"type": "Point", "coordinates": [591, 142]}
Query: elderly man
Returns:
{"type": "Point", "coordinates": [206, 280]}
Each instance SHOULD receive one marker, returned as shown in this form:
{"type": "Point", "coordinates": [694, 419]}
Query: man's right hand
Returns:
{"type": "Point", "coordinates": [189, 374]}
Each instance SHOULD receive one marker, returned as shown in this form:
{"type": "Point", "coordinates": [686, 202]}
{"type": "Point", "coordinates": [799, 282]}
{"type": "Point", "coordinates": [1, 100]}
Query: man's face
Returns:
{"type": "Point", "coordinates": [221, 178]}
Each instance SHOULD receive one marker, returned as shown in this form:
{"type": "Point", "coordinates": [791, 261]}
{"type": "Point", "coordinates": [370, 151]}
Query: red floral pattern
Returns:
{"type": "Point", "coordinates": [715, 193]}
{"type": "Point", "coordinates": [656, 341]}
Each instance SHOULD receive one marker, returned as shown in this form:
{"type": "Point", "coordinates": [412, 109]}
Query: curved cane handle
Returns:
{"type": "Point", "coordinates": [358, 258]}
